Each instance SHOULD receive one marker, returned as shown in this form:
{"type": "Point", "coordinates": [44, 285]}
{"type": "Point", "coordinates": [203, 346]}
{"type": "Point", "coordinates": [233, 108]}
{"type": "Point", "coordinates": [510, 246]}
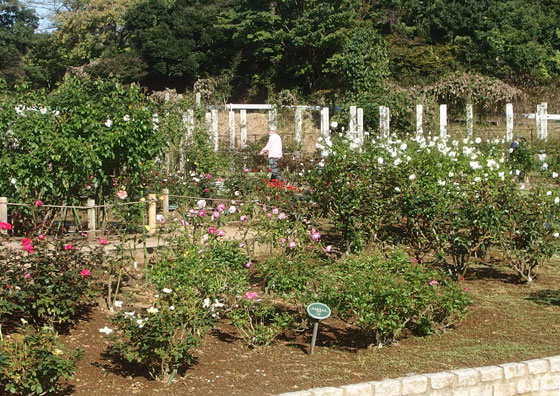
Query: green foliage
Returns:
{"type": "Point", "coordinates": [257, 321]}
{"type": "Point", "coordinates": [47, 284]}
{"type": "Point", "coordinates": [216, 270]}
{"type": "Point", "coordinates": [531, 226]}
{"type": "Point", "coordinates": [178, 39]}
{"type": "Point", "coordinates": [17, 24]}
{"type": "Point", "coordinates": [385, 296]}
{"type": "Point", "coordinates": [84, 138]}
{"type": "Point", "coordinates": [162, 337]}
{"type": "Point", "coordinates": [33, 361]}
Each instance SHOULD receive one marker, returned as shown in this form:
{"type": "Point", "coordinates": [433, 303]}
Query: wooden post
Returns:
{"type": "Point", "coordinates": [419, 121]}
{"type": "Point", "coordinates": [360, 120]}
{"type": "Point", "coordinates": [299, 126]}
{"type": "Point", "coordinates": [152, 212]}
{"type": "Point", "coordinates": [232, 129]}
{"type": "Point", "coordinates": [3, 212]}
{"type": "Point", "coordinates": [469, 111]}
{"type": "Point", "coordinates": [215, 128]}
{"type": "Point", "coordinates": [243, 128]}
{"type": "Point", "coordinates": [509, 122]}
{"type": "Point", "coordinates": [165, 202]}
{"type": "Point", "coordinates": [443, 121]}
{"type": "Point", "coordinates": [92, 216]}
{"type": "Point", "coordinates": [197, 99]}
{"type": "Point", "coordinates": [325, 121]}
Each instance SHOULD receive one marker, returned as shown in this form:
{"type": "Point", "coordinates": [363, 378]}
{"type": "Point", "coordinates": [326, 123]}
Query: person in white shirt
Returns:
{"type": "Point", "coordinates": [274, 150]}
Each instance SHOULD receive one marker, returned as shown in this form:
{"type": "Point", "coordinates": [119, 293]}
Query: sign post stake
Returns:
{"type": "Point", "coordinates": [314, 337]}
{"type": "Point", "coordinates": [318, 312]}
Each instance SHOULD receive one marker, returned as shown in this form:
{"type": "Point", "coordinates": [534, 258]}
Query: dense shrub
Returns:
{"type": "Point", "coordinates": [47, 283]}
{"type": "Point", "coordinates": [384, 296]}
{"type": "Point", "coordinates": [33, 361]}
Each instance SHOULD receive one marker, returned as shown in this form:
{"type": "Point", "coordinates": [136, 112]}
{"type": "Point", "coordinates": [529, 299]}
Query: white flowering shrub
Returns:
{"type": "Point", "coordinates": [450, 200]}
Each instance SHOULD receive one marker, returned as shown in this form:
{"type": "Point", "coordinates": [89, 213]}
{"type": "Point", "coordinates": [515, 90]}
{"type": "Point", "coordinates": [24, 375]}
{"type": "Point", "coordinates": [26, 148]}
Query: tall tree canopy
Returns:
{"type": "Point", "coordinates": [17, 26]}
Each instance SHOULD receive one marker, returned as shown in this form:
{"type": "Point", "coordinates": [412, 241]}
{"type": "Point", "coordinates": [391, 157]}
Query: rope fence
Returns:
{"type": "Point", "coordinates": [92, 208]}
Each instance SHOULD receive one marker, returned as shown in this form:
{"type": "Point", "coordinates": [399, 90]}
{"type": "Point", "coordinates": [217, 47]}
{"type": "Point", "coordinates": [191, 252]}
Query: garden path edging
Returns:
{"type": "Point", "coordinates": [538, 377]}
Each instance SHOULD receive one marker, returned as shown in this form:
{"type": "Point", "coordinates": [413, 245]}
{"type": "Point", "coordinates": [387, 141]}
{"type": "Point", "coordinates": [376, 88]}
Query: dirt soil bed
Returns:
{"type": "Point", "coordinates": [507, 322]}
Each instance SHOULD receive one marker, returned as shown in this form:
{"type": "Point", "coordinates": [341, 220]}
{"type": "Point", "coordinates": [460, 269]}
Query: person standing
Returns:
{"type": "Point", "coordinates": [274, 150]}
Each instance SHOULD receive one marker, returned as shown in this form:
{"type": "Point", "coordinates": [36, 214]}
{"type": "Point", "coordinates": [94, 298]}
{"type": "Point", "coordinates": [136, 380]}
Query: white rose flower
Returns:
{"type": "Point", "coordinates": [106, 330]}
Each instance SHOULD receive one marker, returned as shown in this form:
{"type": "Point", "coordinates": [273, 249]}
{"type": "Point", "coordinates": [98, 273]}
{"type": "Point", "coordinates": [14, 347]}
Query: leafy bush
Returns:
{"type": "Point", "coordinates": [257, 321]}
{"type": "Point", "coordinates": [47, 283]}
{"type": "Point", "coordinates": [384, 296]}
{"type": "Point", "coordinates": [531, 231]}
{"type": "Point", "coordinates": [33, 362]}
{"type": "Point", "coordinates": [216, 270]}
{"type": "Point", "coordinates": [163, 336]}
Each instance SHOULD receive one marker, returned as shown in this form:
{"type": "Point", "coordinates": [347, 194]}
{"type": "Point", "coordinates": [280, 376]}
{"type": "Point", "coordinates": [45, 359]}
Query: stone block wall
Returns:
{"type": "Point", "coordinates": [539, 377]}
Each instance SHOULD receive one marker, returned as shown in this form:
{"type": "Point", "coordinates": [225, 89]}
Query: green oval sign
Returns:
{"type": "Point", "coordinates": [318, 311]}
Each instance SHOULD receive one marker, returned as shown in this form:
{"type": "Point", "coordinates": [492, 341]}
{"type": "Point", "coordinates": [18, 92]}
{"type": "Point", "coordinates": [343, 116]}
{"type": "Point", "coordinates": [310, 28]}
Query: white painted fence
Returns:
{"type": "Point", "coordinates": [355, 125]}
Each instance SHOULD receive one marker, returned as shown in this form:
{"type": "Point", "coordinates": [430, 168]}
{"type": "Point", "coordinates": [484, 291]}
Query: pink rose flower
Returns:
{"type": "Point", "coordinates": [85, 272]}
{"type": "Point", "coordinates": [282, 216]}
{"type": "Point", "coordinates": [292, 244]}
{"type": "Point", "coordinates": [121, 194]}
{"type": "Point", "coordinates": [68, 247]}
{"type": "Point", "coordinates": [433, 282]}
{"type": "Point", "coordinates": [41, 237]}
{"type": "Point", "coordinates": [28, 248]}
{"type": "Point", "coordinates": [25, 241]}
{"type": "Point", "coordinates": [221, 207]}
{"type": "Point", "coordinates": [328, 249]}
{"type": "Point", "coordinates": [38, 202]}
{"type": "Point", "coordinates": [102, 241]}
{"type": "Point", "coordinates": [220, 233]}
{"type": "Point", "coordinates": [5, 226]}
{"type": "Point", "coordinates": [243, 218]}
{"type": "Point", "coordinates": [202, 213]}
{"type": "Point", "coordinates": [211, 230]}
{"type": "Point", "coordinates": [27, 276]}
{"type": "Point", "coordinates": [248, 265]}
{"type": "Point", "coordinates": [250, 295]}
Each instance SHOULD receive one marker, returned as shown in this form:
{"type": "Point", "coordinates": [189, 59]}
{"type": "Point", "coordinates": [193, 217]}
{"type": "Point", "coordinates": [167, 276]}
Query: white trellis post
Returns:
{"type": "Point", "coordinates": [298, 119]}
{"type": "Point", "coordinates": [542, 122]}
{"type": "Point", "coordinates": [91, 214]}
{"type": "Point", "coordinates": [469, 111]}
{"type": "Point", "coordinates": [325, 120]}
{"type": "Point", "coordinates": [384, 121]}
{"type": "Point", "coordinates": [215, 128]}
{"type": "Point", "coordinates": [272, 113]}
{"type": "Point", "coordinates": [197, 98]}
{"type": "Point", "coordinates": [360, 119]}
{"type": "Point", "coordinates": [243, 128]}
{"type": "Point", "coordinates": [231, 129]}
{"type": "Point", "coordinates": [190, 124]}
{"type": "Point", "coordinates": [509, 122]}
{"type": "Point", "coordinates": [443, 121]}
{"type": "Point", "coordinates": [3, 212]}
{"type": "Point", "coordinates": [208, 120]}
{"type": "Point", "coordinates": [352, 122]}
{"type": "Point", "coordinates": [419, 120]}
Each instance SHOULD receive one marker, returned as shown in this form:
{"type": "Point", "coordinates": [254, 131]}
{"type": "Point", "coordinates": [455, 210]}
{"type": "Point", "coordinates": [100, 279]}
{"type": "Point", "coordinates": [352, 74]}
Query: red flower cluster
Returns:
{"type": "Point", "coordinates": [279, 185]}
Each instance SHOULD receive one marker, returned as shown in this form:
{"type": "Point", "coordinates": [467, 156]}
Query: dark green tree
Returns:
{"type": "Point", "coordinates": [17, 27]}
{"type": "Point", "coordinates": [180, 41]}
